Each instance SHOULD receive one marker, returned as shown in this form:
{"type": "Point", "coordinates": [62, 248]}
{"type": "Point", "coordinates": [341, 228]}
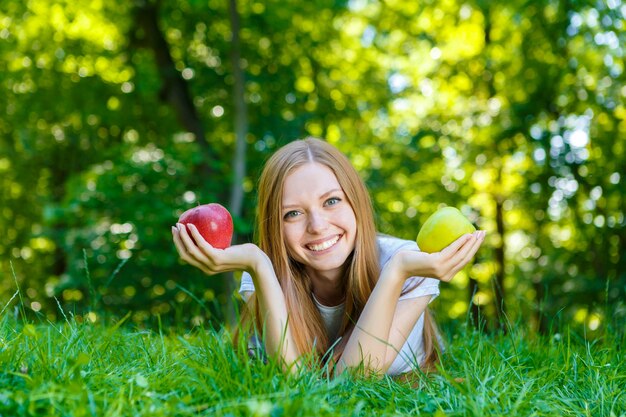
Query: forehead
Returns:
{"type": "Point", "coordinates": [310, 179]}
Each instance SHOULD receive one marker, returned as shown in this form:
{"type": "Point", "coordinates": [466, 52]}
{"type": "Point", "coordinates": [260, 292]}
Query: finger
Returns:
{"type": "Point", "coordinates": [178, 242]}
{"type": "Point", "coordinates": [186, 256]}
{"type": "Point", "coordinates": [456, 245]}
{"type": "Point", "coordinates": [457, 261]}
{"type": "Point", "coordinates": [183, 233]}
{"type": "Point", "coordinates": [181, 246]}
{"type": "Point", "coordinates": [192, 249]}
{"type": "Point", "coordinates": [191, 242]}
{"type": "Point", "coordinates": [226, 259]}
{"type": "Point", "coordinates": [199, 239]}
{"type": "Point", "coordinates": [203, 268]}
{"type": "Point", "coordinates": [204, 251]}
{"type": "Point", "coordinates": [473, 244]}
{"type": "Point", "coordinates": [467, 253]}
{"type": "Point", "coordinates": [458, 249]}
{"type": "Point", "coordinates": [479, 238]}
{"type": "Point", "coordinates": [191, 261]}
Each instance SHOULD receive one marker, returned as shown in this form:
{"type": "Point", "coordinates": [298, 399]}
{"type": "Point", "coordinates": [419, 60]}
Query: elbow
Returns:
{"type": "Point", "coordinates": [367, 367]}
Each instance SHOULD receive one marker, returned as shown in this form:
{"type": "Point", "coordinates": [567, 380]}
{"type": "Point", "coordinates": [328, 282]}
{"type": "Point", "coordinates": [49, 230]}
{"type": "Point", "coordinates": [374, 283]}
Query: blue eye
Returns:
{"type": "Point", "coordinates": [290, 214]}
{"type": "Point", "coordinates": [332, 201]}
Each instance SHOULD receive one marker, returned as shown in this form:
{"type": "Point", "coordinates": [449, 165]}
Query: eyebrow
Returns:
{"type": "Point", "coordinates": [326, 194]}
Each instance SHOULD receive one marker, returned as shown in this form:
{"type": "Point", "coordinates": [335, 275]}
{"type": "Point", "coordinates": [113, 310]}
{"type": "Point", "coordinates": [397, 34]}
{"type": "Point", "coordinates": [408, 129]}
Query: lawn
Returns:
{"type": "Point", "coordinates": [87, 369]}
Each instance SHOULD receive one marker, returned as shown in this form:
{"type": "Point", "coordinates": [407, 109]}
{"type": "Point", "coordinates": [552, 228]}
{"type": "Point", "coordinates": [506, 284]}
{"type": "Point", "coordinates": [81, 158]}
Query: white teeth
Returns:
{"type": "Point", "coordinates": [324, 245]}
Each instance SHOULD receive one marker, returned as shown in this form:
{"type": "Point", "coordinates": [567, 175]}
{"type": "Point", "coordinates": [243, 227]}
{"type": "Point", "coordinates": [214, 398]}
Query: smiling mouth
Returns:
{"type": "Point", "coordinates": [324, 245]}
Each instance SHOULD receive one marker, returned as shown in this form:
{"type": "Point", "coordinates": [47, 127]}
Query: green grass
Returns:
{"type": "Point", "coordinates": [85, 369]}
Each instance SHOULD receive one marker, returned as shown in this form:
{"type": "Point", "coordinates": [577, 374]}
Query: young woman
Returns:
{"type": "Point", "coordinates": [321, 277]}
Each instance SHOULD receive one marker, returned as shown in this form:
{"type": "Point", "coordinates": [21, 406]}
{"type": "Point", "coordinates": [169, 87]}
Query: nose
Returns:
{"type": "Point", "coordinates": [316, 222]}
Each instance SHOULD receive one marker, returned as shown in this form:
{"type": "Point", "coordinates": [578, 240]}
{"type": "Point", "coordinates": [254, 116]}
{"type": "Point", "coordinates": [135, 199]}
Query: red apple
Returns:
{"type": "Point", "coordinates": [213, 222]}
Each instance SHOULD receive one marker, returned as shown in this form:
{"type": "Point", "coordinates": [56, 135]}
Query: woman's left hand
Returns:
{"type": "Point", "coordinates": [441, 265]}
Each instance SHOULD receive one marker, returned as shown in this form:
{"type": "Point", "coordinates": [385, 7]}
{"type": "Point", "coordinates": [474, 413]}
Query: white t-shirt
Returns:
{"type": "Point", "coordinates": [412, 352]}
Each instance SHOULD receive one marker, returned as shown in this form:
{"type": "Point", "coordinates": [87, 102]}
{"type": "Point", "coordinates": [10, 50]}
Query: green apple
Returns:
{"type": "Point", "coordinates": [442, 228]}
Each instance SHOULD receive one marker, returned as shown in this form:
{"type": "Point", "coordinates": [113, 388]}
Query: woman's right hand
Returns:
{"type": "Point", "coordinates": [211, 260]}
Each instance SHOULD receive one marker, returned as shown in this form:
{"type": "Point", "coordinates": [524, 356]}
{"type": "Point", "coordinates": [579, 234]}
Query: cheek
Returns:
{"type": "Point", "coordinates": [291, 236]}
{"type": "Point", "coordinates": [351, 226]}
{"type": "Point", "coordinates": [349, 220]}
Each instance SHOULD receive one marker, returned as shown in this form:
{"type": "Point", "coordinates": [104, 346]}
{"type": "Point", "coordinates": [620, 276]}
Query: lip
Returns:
{"type": "Point", "coordinates": [321, 241]}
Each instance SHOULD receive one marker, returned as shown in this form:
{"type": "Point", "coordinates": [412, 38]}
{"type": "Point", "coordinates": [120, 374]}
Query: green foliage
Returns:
{"type": "Point", "coordinates": [511, 111]}
{"type": "Point", "coordinates": [80, 369]}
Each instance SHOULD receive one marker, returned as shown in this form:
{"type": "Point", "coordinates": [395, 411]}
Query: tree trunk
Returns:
{"type": "Point", "coordinates": [542, 319]}
{"type": "Point", "coordinates": [174, 89]}
{"type": "Point", "coordinates": [241, 114]}
{"type": "Point", "coordinates": [475, 310]}
{"type": "Point", "coordinates": [498, 285]}
{"type": "Point", "coordinates": [500, 270]}
{"type": "Point", "coordinates": [241, 131]}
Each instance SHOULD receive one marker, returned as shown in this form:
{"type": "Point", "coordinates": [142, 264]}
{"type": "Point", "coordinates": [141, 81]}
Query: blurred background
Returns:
{"type": "Point", "coordinates": [116, 116]}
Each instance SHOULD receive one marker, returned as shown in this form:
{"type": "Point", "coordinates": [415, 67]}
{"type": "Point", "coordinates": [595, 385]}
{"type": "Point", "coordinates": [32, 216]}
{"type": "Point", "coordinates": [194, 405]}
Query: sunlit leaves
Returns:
{"type": "Point", "coordinates": [481, 105]}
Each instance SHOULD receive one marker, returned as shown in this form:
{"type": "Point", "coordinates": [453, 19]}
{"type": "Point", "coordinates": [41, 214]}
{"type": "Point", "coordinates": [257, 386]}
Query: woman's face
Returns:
{"type": "Point", "coordinates": [319, 223]}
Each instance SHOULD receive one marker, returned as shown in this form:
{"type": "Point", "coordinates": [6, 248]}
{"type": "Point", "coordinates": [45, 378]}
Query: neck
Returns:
{"type": "Point", "coordinates": [328, 287]}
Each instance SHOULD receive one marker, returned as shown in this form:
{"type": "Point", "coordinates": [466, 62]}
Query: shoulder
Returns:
{"type": "Point", "coordinates": [414, 286]}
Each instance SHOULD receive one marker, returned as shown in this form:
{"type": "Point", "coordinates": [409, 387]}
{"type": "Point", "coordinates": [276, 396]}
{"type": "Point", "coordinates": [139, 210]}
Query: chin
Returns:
{"type": "Point", "coordinates": [328, 264]}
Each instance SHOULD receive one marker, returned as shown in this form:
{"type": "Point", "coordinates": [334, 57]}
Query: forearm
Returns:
{"type": "Point", "coordinates": [369, 341]}
{"type": "Point", "coordinates": [250, 258]}
{"type": "Point", "coordinates": [274, 316]}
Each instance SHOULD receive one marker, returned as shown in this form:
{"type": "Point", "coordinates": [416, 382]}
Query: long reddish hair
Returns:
{"type": "Point", "coordinates": [363, 269]}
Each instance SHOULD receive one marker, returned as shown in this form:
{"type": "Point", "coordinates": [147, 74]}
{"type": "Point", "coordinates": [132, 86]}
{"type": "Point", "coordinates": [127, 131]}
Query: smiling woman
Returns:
{"type": "Point", "coordinates": [319, 224]}
{"type": "Point", "coordinates": [321, 279]}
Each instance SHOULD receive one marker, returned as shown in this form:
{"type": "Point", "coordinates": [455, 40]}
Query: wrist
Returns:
{"type": "Point", "coordinates": [259, 262]}
{"type": "Point", "coordinates": [395, 269]}
{"type": "Point", "coordinates": [411, 263]}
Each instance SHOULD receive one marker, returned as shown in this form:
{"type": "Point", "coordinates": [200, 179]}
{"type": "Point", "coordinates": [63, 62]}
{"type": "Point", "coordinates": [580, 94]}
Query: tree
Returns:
{"type": "Point", "coordinates": [129, 113]}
